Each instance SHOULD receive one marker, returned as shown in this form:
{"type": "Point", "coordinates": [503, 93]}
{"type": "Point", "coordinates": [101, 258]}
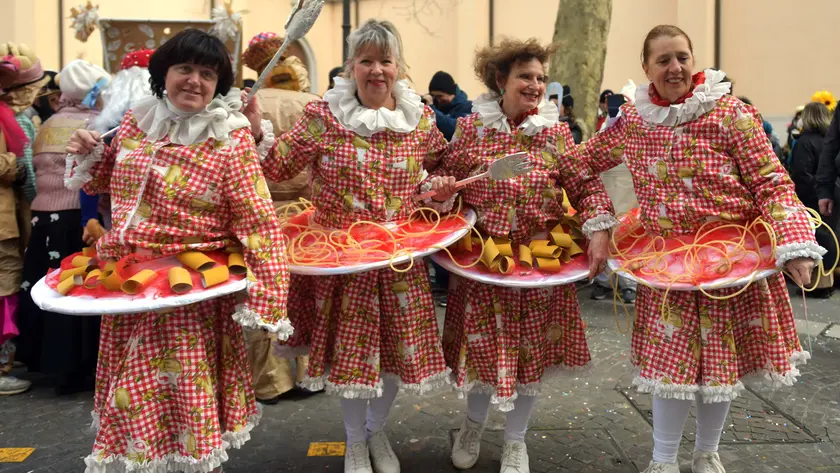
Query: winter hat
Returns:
{"type": "Point", "coordinates": [568, 101]}
{"type": "Point", "coordinates": [28, 65]}
{"type": "Point", "coordinates": [82, 81]}
{"type": "Point", "coordinates": [443, 82]}
{"type": "Point", "coordinates": [137, 59]}
{"type": "Point", "coordinates": [554, 89]}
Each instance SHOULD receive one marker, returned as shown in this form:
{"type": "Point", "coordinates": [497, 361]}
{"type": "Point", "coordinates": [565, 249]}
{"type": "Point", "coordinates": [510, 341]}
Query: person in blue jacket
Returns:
{"type": "Point", "coordinates": [448, 101]}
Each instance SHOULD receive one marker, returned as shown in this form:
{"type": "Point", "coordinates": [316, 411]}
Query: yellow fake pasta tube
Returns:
{"type": "Point", "coordinates": [110, 265]}
{"type": "Point", "coordinates": [491, 255]}
{"type": "Point", "coordinates": [69, 273]}
{"type": "Point", "coordinates": [179, 280]}
{"type": "Point", "coordinates": [465, 244]}
{"type": "Point", "coordinates": [574, 250]}
{"type": "Point", "coordinates": [565, 257]}
{"type": "Point", "coordinates": [65, 285]}
{"type": "Point", "coordinates": [139, 281]}
{"type": "Point", "coordinates": [504, 248]}
{"type": "Point", "coordinates": [549, 264]}
{"type": "Point", "coordinates": [506, 264]}
{"type": "Point", "coordinates": [572, 220]}
{"type": "Point", "coordinates": [526, 260]}
{"type": "Point", "coordinates": [547, 251]}
{"type": "Point", "coordinates": [92, 279]}
{"type": "Point", "coordinates": [196, 260]}
{"type": "Point", "coordinates": [536, 243]}
{"type": "Point", "coordinates": [236, 264]}
{"type": "Point", "coordinates": [214, 276]}
{"type": "Point", "coordinates": [563, 240]}
{"type": "Point", "coordinates": [111, 280]}
{"type": "Point", "coordinates": [84, 262]}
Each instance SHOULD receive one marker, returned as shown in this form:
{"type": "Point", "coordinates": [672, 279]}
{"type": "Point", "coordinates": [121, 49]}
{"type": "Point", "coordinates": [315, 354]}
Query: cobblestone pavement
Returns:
{"type": "Point", "coordinates": [584, 422]}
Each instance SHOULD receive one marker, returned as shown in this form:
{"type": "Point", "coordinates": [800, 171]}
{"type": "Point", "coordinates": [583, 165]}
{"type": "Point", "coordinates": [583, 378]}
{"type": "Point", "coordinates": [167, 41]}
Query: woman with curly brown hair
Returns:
{"type": "Point", "coordinates": [502, 343]}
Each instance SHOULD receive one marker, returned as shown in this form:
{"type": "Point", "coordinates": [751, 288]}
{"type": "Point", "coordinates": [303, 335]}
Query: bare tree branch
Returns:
{"type": "Point", "coordinates": [416, 10]}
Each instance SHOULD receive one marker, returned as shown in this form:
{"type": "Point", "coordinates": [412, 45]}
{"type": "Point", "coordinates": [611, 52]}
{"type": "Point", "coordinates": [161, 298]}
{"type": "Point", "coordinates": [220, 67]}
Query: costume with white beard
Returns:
{"type": "Point", "coordinates": [128, 86]}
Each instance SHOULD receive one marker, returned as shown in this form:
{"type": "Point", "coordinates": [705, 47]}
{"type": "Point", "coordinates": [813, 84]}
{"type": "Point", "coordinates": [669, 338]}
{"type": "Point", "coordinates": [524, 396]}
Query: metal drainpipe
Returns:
{"type": "Point", "coordinates": [492, 20]}
{"type": "Point", "coordinates": [60, 34]}
{"type": "Point", "coordinates": [357, 13]}
{"type": "Point", "coordinates": [717, 33]}
{"type": "Point", "coordinates": [345, 26]}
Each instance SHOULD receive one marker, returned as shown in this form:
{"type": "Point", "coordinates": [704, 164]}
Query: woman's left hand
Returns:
{"type": "Point", "coordinates": [254, 114]}
{"type": "Point", "coordinates": [800, 270]}
{"type": "Point", "coordinates": [598, 252]}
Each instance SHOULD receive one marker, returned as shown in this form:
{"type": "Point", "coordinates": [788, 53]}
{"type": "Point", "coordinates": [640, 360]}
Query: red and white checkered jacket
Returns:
{"type": "Point", "coordinates": [528, 203]}
{"type": "Point", "coordinates": [354, 177]}
{"type": "Point", "coordinates": [720, 166]}
{"type": "Point", "coordinates": [168, 198]}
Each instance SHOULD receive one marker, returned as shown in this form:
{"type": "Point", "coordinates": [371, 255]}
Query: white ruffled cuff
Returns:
{"type": "Point", "coordinates": [808, 249]}
{"type": "Point", "coordinates": [441, 207]}
{"type": "Point", "coordinates": [77, 167]}
{"type": "Point", "coordinates": [598, 223]}
{"type": "Point", "coordinates": [248, 318]}
{"type": "Point", "coordinates": [268, 139]}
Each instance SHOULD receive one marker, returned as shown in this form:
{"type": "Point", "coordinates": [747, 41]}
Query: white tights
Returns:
{"type": "Point", "coordinates": [669, 416]}
{"type": "Point", "coordinates": [516, 423]}
{"type": "Point", "coordinates": [363, 417]}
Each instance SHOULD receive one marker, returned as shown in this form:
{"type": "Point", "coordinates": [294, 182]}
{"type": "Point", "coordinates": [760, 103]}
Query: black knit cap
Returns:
{"type": "Point", "coordinates": [442, 82]}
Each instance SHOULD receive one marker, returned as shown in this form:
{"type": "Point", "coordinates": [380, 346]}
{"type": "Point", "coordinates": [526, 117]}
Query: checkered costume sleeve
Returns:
{"type": "Point", "coordinates": [92, 172]}
{"type": "Point", "coordinates": [771, 186]}
{"type": "Point", "coordinates": [585, 189]}
{"type": "Point", "coordinates": [293, 150]}
{"type": "Point", "coordinates": [255, 224]}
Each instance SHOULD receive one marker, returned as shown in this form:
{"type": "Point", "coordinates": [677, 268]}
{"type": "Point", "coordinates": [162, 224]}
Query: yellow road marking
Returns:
{"type": "Point", "coordinates": [14, 455]}
{"type": "Point", "coordinates": [326, 449]}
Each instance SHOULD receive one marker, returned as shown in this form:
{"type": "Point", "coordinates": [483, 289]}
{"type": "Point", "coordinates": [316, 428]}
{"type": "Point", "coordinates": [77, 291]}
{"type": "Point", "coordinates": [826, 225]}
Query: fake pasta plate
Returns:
{"type": "Point", "coordinates": [575, 270]}
{"type": "Point", "coordinates": [727, 255]}
{"type": "Point", "coordinates": [155, 285]}
{"type": "Point", "coordinates": [368, 247]}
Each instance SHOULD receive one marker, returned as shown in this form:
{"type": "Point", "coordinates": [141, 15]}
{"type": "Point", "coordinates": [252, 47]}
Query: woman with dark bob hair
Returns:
{"type": "Point", "coordinates": [173, 389]}
{"type": "Point", "coordinates": [503, 343]}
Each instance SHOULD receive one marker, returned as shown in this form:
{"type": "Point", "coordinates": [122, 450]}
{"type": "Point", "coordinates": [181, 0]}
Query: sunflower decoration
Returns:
{"type": "Point", "coordinates": [826, 98]}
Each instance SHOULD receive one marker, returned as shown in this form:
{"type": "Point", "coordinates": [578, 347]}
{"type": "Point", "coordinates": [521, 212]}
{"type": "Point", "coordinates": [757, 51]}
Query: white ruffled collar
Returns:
{"type": "Point", "coordinates": [489, 108]}
{"type": "Point", "coordinates": [158, 118]}
{"type": "Point", "coordinates": [366, 121]}
{"type": "Point", "coordinates": [703, 100]}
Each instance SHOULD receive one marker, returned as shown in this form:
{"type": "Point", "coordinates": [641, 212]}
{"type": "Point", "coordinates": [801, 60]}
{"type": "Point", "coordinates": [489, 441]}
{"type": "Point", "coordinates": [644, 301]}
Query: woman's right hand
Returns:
{"type": "Point", "coordinates": [82, 142]}
{"type": "Point", "coordinates": [254, 114]}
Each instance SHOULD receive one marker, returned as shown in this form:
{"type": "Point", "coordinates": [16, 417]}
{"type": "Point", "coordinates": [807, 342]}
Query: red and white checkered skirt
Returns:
{"type": "Point", "coordinates": [706, 346]}
{"type": "Point", "coordinates": [368, 325]}
{"type": "Point", "coordinates": [506, 341]}
{"type": "Point", "coordinates": [178, 390]}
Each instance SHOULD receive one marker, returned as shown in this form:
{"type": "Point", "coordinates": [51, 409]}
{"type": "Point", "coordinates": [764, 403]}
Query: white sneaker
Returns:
{"type": "Point", "coordinates": [10, 385]}
{"type": "Point", "coordinates": [357, 458]}
{"type": "Point", "coordinates": [707, 462]}
{"type": "Point", "coordinates": [657, 467]}
{"type": "Point", "coordinates": [382, 455]}
{"type": "Point", "coordinates": [515, 457]}
{"type": "Point", "coordinates": [467, 444]}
